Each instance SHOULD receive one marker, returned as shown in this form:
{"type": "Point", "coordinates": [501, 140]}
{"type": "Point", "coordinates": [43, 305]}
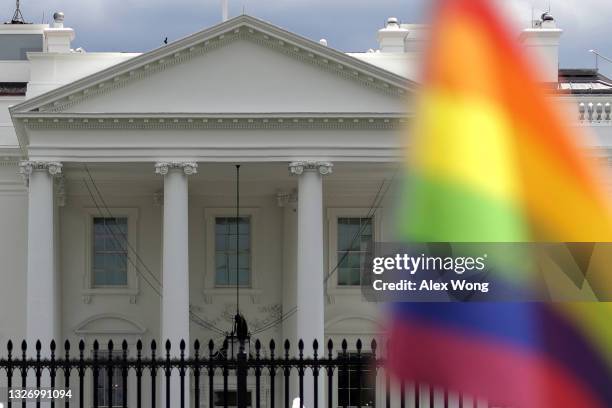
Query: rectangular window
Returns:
{"type": "Point", "coordinates": [103, 385]}
{"type": "Point", "coordinates": [110, 256]}
{"type": "Point", "coordinates": [348, 383]}
{"type": "Point", "coordinates": [232, 399]}
{"type": "Point", "coordinates": [354, 246]}
{"type": "Point", "coordinates": [232, 251]}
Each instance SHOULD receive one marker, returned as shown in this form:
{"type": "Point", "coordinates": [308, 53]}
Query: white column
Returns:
{"type": "Point", "coordinates": [42, 287]}
{"type": "Point", "coordinates": [175, 266]}
{"type": "Point", "coordinates": [288, 202]}
{"type": "Point", "coordinates": [310, 272]}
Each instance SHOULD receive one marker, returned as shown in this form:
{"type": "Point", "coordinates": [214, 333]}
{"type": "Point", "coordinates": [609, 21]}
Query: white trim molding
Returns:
{"type": "Point", "coordinates": [132, 289]}
{"type": "Point", "coordinates": [210, 290]}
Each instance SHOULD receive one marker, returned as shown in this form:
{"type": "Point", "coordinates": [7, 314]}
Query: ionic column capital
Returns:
{"type": "Point", "coordinates": [188, 168]}
{"type": "Point", "coordinates": [299, 167]}
{"type": "Point", "coordinates": [27, 167]}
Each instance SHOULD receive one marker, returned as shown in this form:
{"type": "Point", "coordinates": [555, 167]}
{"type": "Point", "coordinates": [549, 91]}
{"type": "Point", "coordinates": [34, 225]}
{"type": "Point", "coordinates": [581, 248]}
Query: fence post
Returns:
{"type": "Point", "coordinates": [109, 373]}
{"type": "Point", "coordinates": [153, 368]}
{"type": "Point", "coordinates": [257, 374]}
{"type": "Point", "coordinates": [287, 372]}
{"type": "Point", "coordinates": [211, 373]}
{"type": "Point", "coordinates": [81, 373]}
{"type": "Point", "coordinates": [241, 377]}
{"type": "Point", "coordinates": [138, 374]}
{"type": "Point", "coordinates": [52, 371]}
{"type": "Point", "coordinates": [124, 372]}
{"type": "Point", "coordinates": [330, 374]}
{"type": "Point", "coordinates": [272, 369]}
{"type": "Point", "coordinates": [315, 372]}
{"type": "Point", "coordinates": [9, 372]}
{"type": "Point", "coordinates": [67, 368]}
{"type": "Point", "coordinates": [95, 373]}
{"type": "Point", "coordinates": [196, 372]}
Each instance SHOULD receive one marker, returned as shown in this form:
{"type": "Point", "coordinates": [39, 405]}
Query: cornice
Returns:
{"type": "Point", "coordinates": [248, 122]}
{"type": "Point", "coordinates": [245, 28]}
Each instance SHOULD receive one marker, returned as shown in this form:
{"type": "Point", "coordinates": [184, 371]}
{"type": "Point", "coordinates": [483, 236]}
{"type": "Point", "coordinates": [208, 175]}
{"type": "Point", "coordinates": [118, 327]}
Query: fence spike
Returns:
{"type": "Point", "coordinates": [182, 345]}
{"type": "Point", "coordinates": [67, 345]}
{"type": "Point", "coordinates": [52, 347]}
{"type": "Point", "coordinates": [330, 346]}
{"type": "Point", "coordinates": [315, 345]}
{"type": "Point", "coordinates": [211, 346]}
{"type": "Point", "coordinates": [359, 346]}
{"type": "Point", "coordinates": [196, 345]}
{"type": "Point", "coordinates": [124, 345]}
{"type": "Point", "coordinates": [344, 346]}
{"type": "Point", "coordinates": [257, 348]}
{"type": "Point", "coordinates": [373, 346]}
{"type": "Point", "coordinates": [153, 345]}
{"type": "Point", "coordinates": [24, 345]}
{"type": "Point", "coordinates": [96, 345]}
{"type": "Point", "coordinates": [9, 346]}
{"type": "Point", "coordinates": [38, 345]}
{"type": "Point", "coordinates": [110, 346]}
{"type": "Point", "coordinates": [272, 347]}
{"type": "Point", "coordinates": [81, 345]}
{"type": "Point", "coordinates": [301, 346]}
{"type": "Point", "coordinates": [139, 345]}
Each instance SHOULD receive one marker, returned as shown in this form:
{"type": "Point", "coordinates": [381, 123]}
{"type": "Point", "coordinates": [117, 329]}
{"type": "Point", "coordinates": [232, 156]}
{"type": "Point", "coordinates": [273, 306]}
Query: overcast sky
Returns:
{"type": "Point", "coordinates": [348, 25]}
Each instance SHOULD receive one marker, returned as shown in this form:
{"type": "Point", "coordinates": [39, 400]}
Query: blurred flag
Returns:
{"type": "Point", "coordinates": [491, 160]}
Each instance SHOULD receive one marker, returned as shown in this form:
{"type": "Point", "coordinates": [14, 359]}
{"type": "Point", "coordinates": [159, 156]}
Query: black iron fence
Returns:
{"type": "Point", "coordinates": [109, 370]}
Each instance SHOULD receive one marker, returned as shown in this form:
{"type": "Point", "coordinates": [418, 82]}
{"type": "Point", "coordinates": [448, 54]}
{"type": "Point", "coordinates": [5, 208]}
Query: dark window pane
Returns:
{"type": "Point", "coordinates": [232, 398]}
{"type": "Point", "coordinates": [110, 258]}
{"type": "Point", "coordinates": [227, 243]}
{"type": "Point", "coordinates": [354, 242]}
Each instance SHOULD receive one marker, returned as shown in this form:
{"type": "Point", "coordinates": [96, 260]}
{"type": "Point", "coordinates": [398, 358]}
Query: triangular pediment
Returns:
{"type": "Point", "coordinates": [244, 65]}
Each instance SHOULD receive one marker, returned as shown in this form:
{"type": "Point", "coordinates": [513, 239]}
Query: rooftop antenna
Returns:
{"type": "Point", "coordinates": [17, 16]}
{"type": "Point", "coordinates": [597, 56]}
{"type": "Point", "coordinates": [224, 10]}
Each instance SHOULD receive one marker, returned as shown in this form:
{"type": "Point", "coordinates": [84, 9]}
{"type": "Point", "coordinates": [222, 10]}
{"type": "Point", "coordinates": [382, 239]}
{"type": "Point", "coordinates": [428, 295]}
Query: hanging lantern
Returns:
{"type": "Point", "coordinates": [238, 341]}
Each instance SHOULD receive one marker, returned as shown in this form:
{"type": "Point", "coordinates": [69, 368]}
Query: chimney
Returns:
{"type": "Point", "coordinates": [58, 38]}
{"type": "Point", "coordinates": [416, 37]}
{"type": "Point", "coordinates": [391, 38]}
{"type": "Point", "coordinates": [542, 42]}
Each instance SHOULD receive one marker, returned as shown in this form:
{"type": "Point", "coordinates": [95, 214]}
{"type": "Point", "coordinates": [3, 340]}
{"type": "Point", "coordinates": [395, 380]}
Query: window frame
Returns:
{"type": "Point", "coordinates": [333, 214]}
{"type": "Point", "coordinates": [117, 356]}
{"type": "Point", "coordinates": [374, 387]}
{"type": "Point", "coordinates": [210, 289]}
{"type": "Point", "coordinates": [132, 287]}
{"type": "Point", "coordinates": [227, 252]}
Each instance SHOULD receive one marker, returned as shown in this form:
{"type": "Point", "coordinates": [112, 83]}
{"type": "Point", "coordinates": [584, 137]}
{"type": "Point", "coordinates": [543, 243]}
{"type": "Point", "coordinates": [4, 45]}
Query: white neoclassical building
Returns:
{"type": "Point", "coordinates": [125, 226]}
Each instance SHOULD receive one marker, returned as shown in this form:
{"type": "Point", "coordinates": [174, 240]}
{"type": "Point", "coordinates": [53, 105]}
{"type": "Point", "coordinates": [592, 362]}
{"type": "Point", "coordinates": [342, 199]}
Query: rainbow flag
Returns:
{"type": "Point", "coordinates": [490, 159]}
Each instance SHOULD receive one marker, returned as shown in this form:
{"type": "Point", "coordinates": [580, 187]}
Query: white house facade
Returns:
{"type": "Point", "coordinates": [118, 180]}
